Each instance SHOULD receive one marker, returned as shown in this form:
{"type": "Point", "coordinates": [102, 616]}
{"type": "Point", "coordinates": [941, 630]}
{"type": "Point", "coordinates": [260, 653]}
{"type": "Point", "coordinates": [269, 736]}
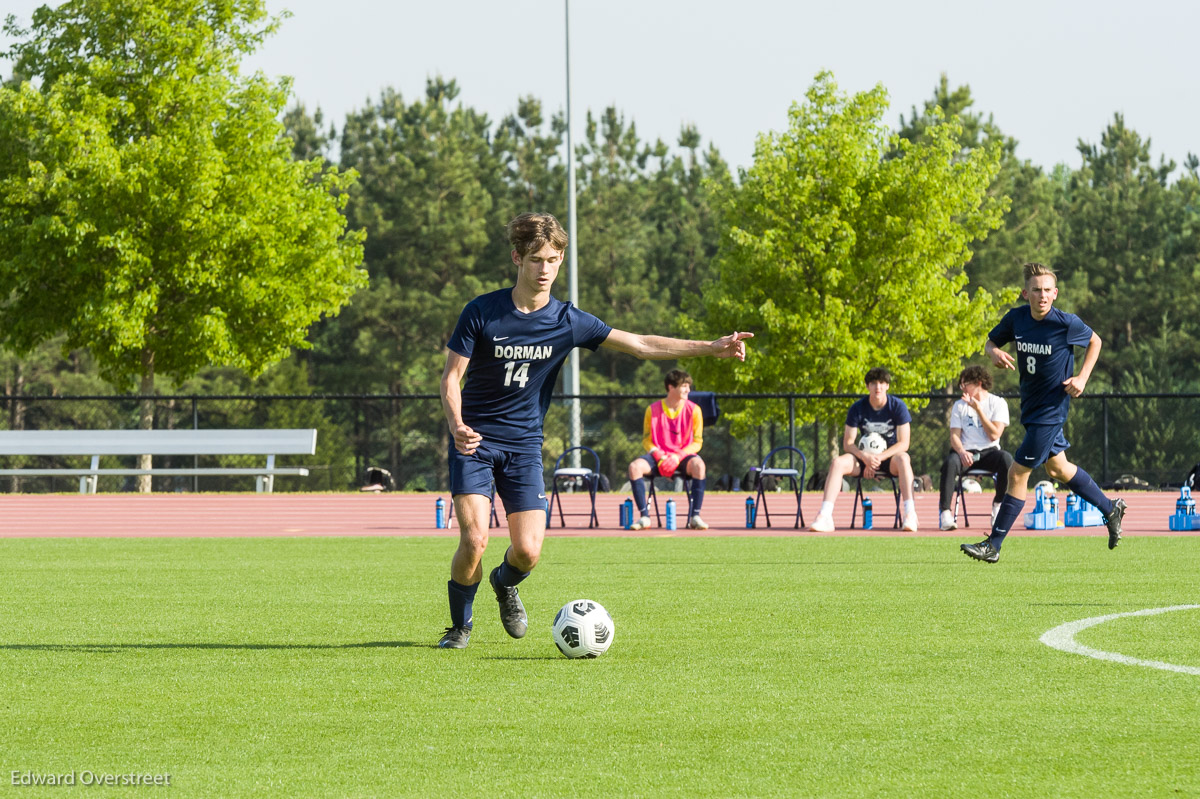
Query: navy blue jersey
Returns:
{"type": "Point", "coordinates": [883, 421]}
{"type": "Point", "coordinates": [515, 358]}
{"type": "Point", "coordinates": [1045, 358]}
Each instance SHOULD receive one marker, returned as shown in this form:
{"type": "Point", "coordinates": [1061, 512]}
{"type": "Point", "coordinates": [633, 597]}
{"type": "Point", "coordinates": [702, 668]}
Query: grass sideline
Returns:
{"type": "Point", "coordinates": [741, 667]}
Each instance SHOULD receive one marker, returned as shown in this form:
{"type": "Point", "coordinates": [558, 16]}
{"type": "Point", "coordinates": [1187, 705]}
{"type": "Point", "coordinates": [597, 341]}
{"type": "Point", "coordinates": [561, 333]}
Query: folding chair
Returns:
{"type": "Point", "coordinates": [858, 495]}
{"type": "Point", "coordinates": [960, 495]}
{"type": "Point", "coordinates": [793, 474]}
{"type": "Point", "coordinates": [590, 478]}
{"type": "Point", "coordinates": [494, 521]}
{"type": "Point", "coordinates": [652, 496]}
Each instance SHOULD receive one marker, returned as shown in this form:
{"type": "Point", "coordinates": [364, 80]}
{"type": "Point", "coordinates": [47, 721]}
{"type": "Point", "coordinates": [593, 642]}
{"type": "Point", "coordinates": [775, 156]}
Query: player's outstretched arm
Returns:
{"type": "Point", "coordinates": [466, 440]}
{"type": "Point", "coordinates": [658, 348]}
{"type": "Point", "coordinates": [999, 357]}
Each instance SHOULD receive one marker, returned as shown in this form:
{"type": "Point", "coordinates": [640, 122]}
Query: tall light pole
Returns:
{"type": "Point", "coordinates": [571, 379]}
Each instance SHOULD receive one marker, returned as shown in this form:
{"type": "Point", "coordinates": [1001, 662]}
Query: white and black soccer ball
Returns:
{"type": "Point", "coordinates": [872, 443]}
{"type": "Point", "coordinates": [583, 629]}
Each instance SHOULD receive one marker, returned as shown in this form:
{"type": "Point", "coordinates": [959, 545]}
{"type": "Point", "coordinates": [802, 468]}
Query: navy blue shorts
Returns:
{"type": "Point", "coordinates": [520, 481]}
{"type": "Point", "coordinates": [680, 470]}
{"type": "Point", "coordinates": [1042, 442]}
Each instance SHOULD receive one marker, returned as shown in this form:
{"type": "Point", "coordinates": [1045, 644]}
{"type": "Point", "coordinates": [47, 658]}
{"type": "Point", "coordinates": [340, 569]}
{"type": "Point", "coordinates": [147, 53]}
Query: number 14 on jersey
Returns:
{"type": "Point", "coordinates": [520, 376]}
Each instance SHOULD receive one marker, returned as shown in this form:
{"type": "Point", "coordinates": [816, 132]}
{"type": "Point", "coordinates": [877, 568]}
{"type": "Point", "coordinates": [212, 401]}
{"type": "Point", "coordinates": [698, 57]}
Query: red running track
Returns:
{"type": "Point", "coordinates": [186, 515]}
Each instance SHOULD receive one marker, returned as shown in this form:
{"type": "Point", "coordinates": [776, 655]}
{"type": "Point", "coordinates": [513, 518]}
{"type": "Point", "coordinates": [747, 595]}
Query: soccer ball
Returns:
{"type": "Point", "coordinates": [872, 443]}
{"type": "Point", "coordinates": [1047, 488]}
{"type": "Point", "coordinates": [583, 629]}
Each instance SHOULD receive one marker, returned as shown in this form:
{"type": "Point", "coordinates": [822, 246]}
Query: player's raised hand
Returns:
{"type": "Point", "coordinates": [732, 346]}
{"type": "Point", "coordinates": [466, 440]}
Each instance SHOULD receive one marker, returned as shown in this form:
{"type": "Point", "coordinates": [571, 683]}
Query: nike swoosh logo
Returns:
{"type": "Point", "coordinates": [1018, 338]}
{"type": "Point", "coordinates": [541, 496]}
{"type": "Point", "coordinates": [501, 338]}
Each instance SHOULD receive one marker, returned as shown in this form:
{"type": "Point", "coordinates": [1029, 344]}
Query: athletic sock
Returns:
{"type": "Point", "coordinates": [910, 507]}
{"type": "Point", "coordinates": [1083, 485]}
{"type": "Point", "coordinates": [462, 598]}
{"type": "Point", "coordinates": [639, 496]}
{"type": "Point", "coordinates": [1006, 517]}
{"type": "Point", "coordinates": [826, 509]}
{"type": "Point", "coordinates": [508, 576]}
{"type": "Point", "coordinates": [697, 494]}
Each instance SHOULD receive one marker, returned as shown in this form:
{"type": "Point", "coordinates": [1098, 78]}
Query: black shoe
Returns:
{"type": "Point", "coordinates": [982, 551]}
{"type": "Point", "coordinates": [512, 612]}
{"type": "Point", "coordinates": [455, 638]}
{"type": "Point", "coordinates": [1114, 523]}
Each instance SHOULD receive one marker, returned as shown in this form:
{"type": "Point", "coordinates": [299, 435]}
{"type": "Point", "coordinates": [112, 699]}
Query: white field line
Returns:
{"type": "Point", "coordinates": [1062, 637]}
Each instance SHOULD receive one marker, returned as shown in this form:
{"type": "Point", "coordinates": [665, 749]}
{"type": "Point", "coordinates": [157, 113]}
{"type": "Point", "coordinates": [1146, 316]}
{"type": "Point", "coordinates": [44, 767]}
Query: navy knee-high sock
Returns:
{"type": "Point", "coordinates": [639, 496]}
{"type": "Point", "coordinates": [697, 494]}
{"type": "Point", "coordinates": [1083, 485]}
{"type": "Point", "coordinates": [462, 598]}
{"type": "Point", "coordinates": [1006, 517]}
{"type": "Point", "coordinates": [509, 576]}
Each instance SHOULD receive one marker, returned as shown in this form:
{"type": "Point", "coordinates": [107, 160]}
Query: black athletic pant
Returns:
{"type": "Point", "coordinates": [994, 460]}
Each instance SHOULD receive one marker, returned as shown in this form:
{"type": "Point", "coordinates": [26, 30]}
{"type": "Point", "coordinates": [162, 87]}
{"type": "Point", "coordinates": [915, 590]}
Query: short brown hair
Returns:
{"type": "Point", "coordinates": [879, 374]}
{"type": "Point", "coordinates": [677, 377]}
{"type": "Point", "coordinates": [977, 374]}
{"type": "Point", "coordinates": [1034, 269]}
{"type": "Point", "coordinates": [530, 232]}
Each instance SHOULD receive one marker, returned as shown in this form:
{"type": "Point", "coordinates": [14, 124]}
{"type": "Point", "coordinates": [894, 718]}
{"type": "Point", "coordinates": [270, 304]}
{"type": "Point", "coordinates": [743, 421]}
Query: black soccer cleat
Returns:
{"type": "Point", "coordinates": [455, 638]}
{"type": "Point", "coordinates": [512, 612]}
{"type": "Point", "coordinates": [1114, 523]}
{"type": "Point", "coordinates": [982, 551]}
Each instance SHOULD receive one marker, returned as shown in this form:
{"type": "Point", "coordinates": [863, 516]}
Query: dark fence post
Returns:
{"type": "Point", "coordinates": [791, 430]}
{"type": "Point", "coordinates": [195, 458]}
{"type": "Point", "coordinates": [1104, 410]}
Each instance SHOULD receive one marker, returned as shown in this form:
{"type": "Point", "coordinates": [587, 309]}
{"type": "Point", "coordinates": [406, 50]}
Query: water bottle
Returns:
{"type": "Point", "coordinates": [1189, 504]}
{"type": "Point", "coordinates": [1072, 502]}
{"type": "Point", "coordinates": [441, 513]}
{"type": "Point", "coordinates": [751, 513]}
{"type": "Point", "coordinates": [670, 514]}
{"type": "Point", "coordinates": [868, 515]}
{"type": "Point", "coordinates": [627, 513]}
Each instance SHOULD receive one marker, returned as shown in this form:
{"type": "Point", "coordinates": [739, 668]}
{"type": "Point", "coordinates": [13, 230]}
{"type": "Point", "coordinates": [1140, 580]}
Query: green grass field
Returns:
{"type": "Point", "coordinates": [740, 667]}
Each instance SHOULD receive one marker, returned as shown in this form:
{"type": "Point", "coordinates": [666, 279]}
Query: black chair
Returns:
{"type": "Point", "coordinates": [858, 495]}
{"type": "Point", "coordinates": [652, 496]}
{"type": "Point", "coordinates": [791, 473]}
{"type": "Point", "coordinates": [960, 497]}
{"type": "Point", "coordinates": [589, 478]}
{"type": "Point", "coordinates": [494, 521]}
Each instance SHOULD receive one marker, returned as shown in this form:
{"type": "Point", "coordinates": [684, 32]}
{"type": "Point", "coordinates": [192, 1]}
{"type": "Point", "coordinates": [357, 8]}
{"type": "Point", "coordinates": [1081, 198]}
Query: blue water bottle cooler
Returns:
{"type": "Point", "coordinates": [751, 513]}
{"type": "Point", "coordinates": [440, 516]}
{"type": "Point", "coordinates": [868, 515]}
{"type": "Point", "coordinates": [670, 514]}
{"type": "Point", "coordinates": [626, 520]}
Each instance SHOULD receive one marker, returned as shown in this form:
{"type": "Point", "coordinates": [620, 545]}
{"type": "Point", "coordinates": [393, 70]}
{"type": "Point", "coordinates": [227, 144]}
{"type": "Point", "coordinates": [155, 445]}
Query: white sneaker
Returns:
{"type": "Point", "coordinates": [697, 523]}
{"type": "Point", "coordinates": [822, 524]}
{"type": "Point", "coordinates": [641, 524]}
{"type": "Point", "coordinates": [947, 522]}
{"type": "Point", "coordinates": [910, 523]}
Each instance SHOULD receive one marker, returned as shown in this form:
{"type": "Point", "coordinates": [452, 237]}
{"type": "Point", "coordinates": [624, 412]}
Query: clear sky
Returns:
{"type": "Point", "coordinates": [1051, 72]}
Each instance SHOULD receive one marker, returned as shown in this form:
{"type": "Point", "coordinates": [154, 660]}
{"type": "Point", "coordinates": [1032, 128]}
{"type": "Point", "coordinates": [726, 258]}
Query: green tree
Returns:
{"type": "Point", "coordinates": [1030, 227]}
{"type": "Point", "coordinates": [844, 249]}
{"type": "Point", "coordinates": [150, 207]}
{"type": "Point", "coordinates": [1132, 255]}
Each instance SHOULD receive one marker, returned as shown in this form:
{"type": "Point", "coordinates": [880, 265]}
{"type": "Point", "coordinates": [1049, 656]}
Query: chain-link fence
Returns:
{"type": "Point", "coordinates": [1155, 438]}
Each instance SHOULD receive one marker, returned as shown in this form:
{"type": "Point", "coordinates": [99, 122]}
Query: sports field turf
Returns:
{"type": "Point", "coordinates": [740, 667]}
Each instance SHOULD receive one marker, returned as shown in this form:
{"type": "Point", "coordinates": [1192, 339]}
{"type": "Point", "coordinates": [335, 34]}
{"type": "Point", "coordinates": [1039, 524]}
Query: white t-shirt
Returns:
{"type": "Point", "coordinates": [963, 416]}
